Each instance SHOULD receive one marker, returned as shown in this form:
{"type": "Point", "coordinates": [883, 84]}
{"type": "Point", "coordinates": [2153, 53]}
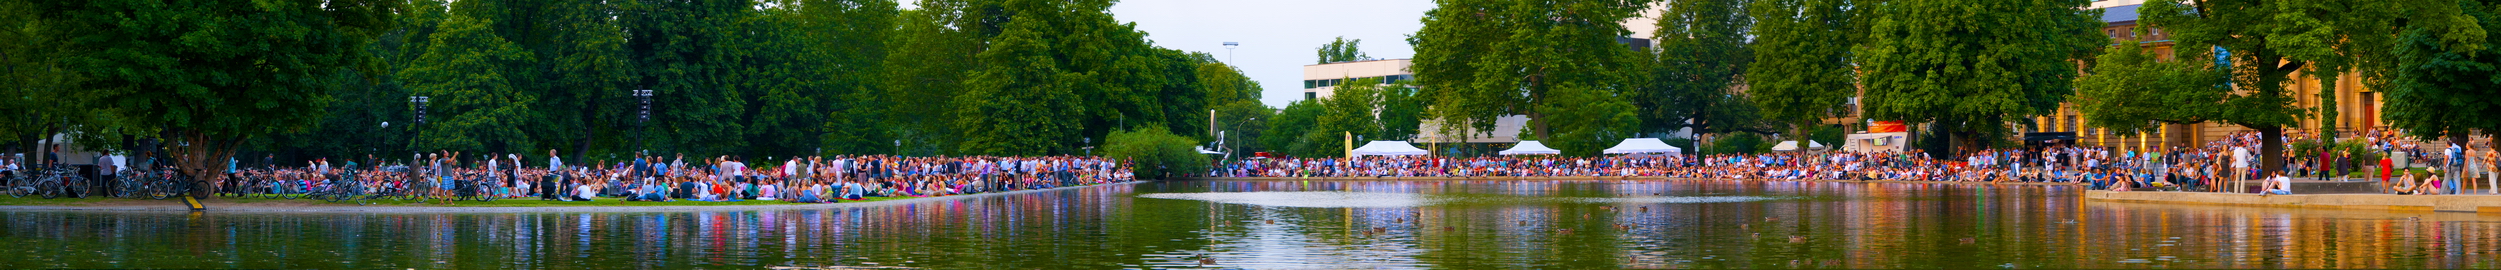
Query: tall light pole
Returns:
{"type": "Point", "coordinates": [643, 117]}
{"type": "Point", "coordinates": [1228, 51]}
{"type": "Point", "coordinates": [421, 120]}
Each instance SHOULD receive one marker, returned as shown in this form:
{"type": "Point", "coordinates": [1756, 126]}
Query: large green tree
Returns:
{"type": "Point", "coordinates": [34, 92]}
{"type": "Point", "coordinates": [462, 74]}
{"type": "Point", "coordinates": [934, 46]}
{"type": "Point", "coordinates": [1245, 125]}
{"type": "Point", "coordinates": [2238, 55]}
{"type": "Point", "coordinates": [1974, 69]}
{"type": "Point", "coordinates": [1704, 49]}
{"type": "Point", "coordinates": [1286, 132]}
{"type": "Point", "coordinates": [693, 55]}
{"type": "Point", "coordinates": [1401, 112]}
{"type": "Point", "coordinates": [1480, 60]}
{"type": "Point", "coordinates": [1352, 110]}
{"type": "Point", "coordinates": [2448, 91]}
{"type": "Point", "coordinates": [1059, 74]}
{"type": "Point", "coordinates": [209, 74]}
{"type": "Point", "coordinates": [1803, 69]}
{"type": "Point", "coordinates": [2130, 90]}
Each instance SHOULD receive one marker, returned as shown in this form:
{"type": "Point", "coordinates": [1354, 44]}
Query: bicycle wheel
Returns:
{"type": "Point", "coordinates": [173, 187]}
{"type": "Point", "coordinates": [126, 188]}
{"type": "Point", "coordinates": [488, 195]}
{"type": "Point", "coordinates": [19, 189]}
{"type": "Point", "coordinates": [334, 195]}
{"type": "Point", "coordinates": [51, 188]}
{"type": "Point", "coordinates": [162, 189]}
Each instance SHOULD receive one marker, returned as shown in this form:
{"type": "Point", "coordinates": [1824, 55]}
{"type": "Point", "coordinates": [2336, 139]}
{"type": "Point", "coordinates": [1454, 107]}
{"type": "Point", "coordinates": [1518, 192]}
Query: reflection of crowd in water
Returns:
{"type": "Point", "coordinates": [2205, 168]}
{"type": "Point", "coordinates": [724, 178]}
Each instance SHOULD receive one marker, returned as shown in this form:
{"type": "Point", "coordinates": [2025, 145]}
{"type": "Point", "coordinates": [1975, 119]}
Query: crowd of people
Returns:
{"type": "Point", "coordinates": [722, 178]}
{"type": "Point", "coordinates": [2213, 167]}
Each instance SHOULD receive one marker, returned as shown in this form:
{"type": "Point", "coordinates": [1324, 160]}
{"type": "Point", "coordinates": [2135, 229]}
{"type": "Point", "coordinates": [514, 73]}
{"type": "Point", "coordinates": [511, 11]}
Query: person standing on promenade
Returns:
{"type": "Point", "coordinates": [2386, 167]}
{"type": "Point", "coordinates": [2240, 167]}
{"type": "Point", "coordinates": [2492, 170]}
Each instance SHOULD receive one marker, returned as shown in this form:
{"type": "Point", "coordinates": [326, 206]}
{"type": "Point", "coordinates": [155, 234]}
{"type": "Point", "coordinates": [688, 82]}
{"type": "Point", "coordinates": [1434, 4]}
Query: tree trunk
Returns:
{"type": "Point", "coordinates": [2327, 109]}
{"type": "Point", "coordinates": [2271, 149]}
{"type": "Point", "coordinates": [201, 156]}
{"type": "Point", "coordinates": [589, 131]}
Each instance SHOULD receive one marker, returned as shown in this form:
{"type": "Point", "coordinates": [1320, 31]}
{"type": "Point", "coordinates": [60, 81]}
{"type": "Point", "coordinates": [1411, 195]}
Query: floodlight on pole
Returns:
{"type": "Point", "coordinates": [1228, 51]}
{"type": "Point", "coordinates": [642, 117]}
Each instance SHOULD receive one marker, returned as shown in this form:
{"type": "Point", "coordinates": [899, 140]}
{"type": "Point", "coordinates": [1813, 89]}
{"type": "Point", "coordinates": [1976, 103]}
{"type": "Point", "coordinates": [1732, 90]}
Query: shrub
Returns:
{"type": "Point", "coordinates": [1155, 152]}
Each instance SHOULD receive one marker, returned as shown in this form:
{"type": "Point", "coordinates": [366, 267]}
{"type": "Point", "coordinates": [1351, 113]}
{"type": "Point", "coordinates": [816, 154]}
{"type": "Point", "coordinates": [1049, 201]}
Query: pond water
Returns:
{"type": "Point", "coordinates": [1292, 224]}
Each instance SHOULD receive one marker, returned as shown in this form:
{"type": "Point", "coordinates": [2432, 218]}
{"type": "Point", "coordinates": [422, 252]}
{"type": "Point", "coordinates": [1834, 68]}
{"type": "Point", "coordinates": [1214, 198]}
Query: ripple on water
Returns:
{"type": "Point", "coordinates": [1336, 199]}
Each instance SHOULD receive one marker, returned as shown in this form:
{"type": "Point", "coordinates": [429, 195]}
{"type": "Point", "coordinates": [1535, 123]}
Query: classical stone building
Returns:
{"type": "Point", "coordinates": [2358, 107]}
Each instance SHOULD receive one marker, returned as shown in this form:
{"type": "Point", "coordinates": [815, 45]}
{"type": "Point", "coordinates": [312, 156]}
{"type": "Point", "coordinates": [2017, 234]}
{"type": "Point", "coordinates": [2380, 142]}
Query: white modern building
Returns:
{"type": "Point", "coordinates": [1321, 80]}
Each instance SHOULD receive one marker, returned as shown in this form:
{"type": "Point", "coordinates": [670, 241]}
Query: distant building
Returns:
{"type": "Point", "coordinates": [1321, 80]}
{"type": "Point", "coordinates": [2358, 107]}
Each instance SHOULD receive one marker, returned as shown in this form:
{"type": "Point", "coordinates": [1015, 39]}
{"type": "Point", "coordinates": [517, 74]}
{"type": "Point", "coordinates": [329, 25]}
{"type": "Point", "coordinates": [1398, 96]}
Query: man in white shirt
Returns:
{"type": "Point", "coordinates": [554, 162]}
{"type": "Point", "coordinates": [2240, 165]}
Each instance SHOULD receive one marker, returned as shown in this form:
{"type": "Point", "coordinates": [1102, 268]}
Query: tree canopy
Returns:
{"type": "Point", "coordinates": [2448, 88]}
{"type": "Point", "coordinates": [301, 79]}
{"type": "Point", "coordinates": [1479, 60]}
{"type": "Point", "coordinates": [1342, 50]}
{"type": "Point", "coordinates": [1804, 69]}
{"type": "Point", "coordinates": [2255, 47]}
{"type": "Point", "coordinates": [1691, 80]}
{"type": "Point", "coordinates": [210, 74]}
{"type": "Point", "coordinates": [1973, 68]}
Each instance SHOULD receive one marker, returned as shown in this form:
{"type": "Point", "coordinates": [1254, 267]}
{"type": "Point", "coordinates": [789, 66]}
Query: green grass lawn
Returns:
{"type": "Point", "coordinates": [518, 202]}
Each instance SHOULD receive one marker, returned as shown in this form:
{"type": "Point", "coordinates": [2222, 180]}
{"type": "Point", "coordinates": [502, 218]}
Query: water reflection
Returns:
{"type": "Point", "coordinates": [1279, 224]}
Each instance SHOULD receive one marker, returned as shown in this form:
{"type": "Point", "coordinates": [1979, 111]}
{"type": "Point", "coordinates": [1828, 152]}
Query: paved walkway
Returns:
{"type": "Point", "coordinates": [2484, 204]}
{"type": "Point", "coordinates": [1606, 178]}
{"type": "Point", "coordinates": [215, 207]}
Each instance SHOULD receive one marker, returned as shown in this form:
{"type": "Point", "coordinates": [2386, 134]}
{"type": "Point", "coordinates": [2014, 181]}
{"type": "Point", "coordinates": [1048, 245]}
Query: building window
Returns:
{"type": "Point", "coordinates": [1311, 95]}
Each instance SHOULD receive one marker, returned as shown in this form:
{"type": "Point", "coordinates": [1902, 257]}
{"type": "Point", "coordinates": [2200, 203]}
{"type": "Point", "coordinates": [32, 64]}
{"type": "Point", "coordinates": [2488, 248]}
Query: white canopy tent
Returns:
{"type": "Point", "coordinates": [1530, 148]}
{"type": "Point", "coordinates": [1793, 146]}
{"type": "Point", "coordinates": [1389, 148]}
{"type": "Point", "coordinates": [1643, 146]}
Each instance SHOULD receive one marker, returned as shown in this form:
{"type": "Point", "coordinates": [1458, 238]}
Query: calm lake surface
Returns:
{"type": "Point", "coordinates": [1335, 225]}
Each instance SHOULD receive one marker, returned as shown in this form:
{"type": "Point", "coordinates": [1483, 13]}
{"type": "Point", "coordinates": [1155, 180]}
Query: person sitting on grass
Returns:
{"type": "Point", "coordinates": [765, 192]}
{"type": "Point", "coordinates": [650, 193]}
{"type": "Point", "coordinates": [584, 192]}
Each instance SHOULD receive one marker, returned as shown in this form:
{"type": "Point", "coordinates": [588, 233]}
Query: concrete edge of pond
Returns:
{"type": "Point", "coordinates": [1609, 178]}
{"type": "Point", "coordinates": [532, 209]}
{"type": "Point", "coordinates": [2481, 204]}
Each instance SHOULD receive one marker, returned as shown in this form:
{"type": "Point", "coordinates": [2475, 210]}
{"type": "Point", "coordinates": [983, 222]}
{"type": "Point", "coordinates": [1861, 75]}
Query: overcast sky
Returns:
{"type": "Point", "coordinates": [1278, 36]}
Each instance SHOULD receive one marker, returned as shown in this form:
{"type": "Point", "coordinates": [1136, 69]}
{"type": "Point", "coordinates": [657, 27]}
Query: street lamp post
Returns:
{"type": "Point", "coordinates": [643, 118]}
